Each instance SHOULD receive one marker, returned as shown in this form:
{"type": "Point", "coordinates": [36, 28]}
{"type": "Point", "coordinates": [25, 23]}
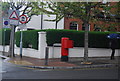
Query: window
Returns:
{"type": "Point", "coordinates": [83, 27]}
{"type": "Point", "coordinates": [73, 26]}
{"type": "Point", "coordinates": [97, 28]}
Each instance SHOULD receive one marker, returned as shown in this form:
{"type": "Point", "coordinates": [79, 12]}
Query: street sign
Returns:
{"type": "Point", "coordinates": [22, 26]}
{"type": "Point", "coordinates": [14, 17]}
{"type": "Point", "coordinates": [6, 23]}
{"type": "Point", "coordinates": [23, 19]}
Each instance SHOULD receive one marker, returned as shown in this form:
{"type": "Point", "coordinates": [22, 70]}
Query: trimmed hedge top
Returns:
{"type": "Point", "coordinates": [96, 39]}
{"type": "Point", "coordinates": [5, 36]}
{"type": "Point", "coordinates": [30, 38]}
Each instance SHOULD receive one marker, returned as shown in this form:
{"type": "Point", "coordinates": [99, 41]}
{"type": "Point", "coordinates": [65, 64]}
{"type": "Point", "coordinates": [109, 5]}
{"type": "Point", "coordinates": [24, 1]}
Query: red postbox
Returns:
{"type": "Point", "coordinates": [66, 43]}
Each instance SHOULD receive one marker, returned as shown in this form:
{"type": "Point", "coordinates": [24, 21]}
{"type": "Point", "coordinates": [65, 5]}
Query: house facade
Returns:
{"type": "Point", "coordinates": [72, 24]}
{"type": "Point", "coordinates": [78, 24]}
{"type": "Point", "coordinates": [102, 24]}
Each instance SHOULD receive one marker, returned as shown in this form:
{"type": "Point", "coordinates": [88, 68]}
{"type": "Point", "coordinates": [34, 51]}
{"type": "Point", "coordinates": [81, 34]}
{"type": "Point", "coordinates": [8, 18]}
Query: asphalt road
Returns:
{"type": "Point", "coordinates": [11, 71]}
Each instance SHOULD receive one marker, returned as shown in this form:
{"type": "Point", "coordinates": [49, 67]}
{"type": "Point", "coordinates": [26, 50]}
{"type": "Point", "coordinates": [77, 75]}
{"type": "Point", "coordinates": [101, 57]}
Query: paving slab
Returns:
{"type": "Point", "coordinates": [56, 63]}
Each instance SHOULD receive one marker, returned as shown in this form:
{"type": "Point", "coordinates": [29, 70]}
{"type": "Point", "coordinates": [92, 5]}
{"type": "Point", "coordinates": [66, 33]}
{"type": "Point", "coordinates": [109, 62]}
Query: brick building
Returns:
{"type": "Point", "coordinates": [103, 24]}
{"type": "Point", "coordinates": [77, 24]}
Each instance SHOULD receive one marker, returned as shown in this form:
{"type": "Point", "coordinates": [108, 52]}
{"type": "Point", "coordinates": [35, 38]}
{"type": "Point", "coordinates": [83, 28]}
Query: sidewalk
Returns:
{"type": "Point", "coordinates": [55, 63]}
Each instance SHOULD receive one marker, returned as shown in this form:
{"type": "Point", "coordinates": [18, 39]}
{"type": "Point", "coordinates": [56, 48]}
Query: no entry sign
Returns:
{"type": "Point", "coordinates": [23, 19]}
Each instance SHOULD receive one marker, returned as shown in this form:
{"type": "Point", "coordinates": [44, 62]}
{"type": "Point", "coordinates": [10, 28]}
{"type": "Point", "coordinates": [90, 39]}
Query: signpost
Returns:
{"type": "Point", "coordinates": [14, 17]}
{"type": "Point", "coordinates": [5, 25]}
{"type": "Point", "coordinates": [23, 19]}
{"type": "Point", "coordinates": [14, 21]}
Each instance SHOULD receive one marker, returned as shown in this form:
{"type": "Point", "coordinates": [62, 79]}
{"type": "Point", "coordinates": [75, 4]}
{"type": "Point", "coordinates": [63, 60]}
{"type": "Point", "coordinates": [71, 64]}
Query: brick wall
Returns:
{"type": "Point", "coordinates": [67, 22]}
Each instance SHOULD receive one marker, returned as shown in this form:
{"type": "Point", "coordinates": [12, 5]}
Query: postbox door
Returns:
{"type": "Point", "coordinates": [70, 44]}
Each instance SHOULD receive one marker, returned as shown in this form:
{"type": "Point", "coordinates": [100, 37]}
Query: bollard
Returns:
{"type": "Point", "coordinates": [46, 55]}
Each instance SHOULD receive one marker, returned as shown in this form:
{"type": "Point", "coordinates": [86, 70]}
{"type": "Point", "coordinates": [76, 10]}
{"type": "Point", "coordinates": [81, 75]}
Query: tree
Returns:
{"type": "Point", "coordinates": [5, 7]}
{"type": "Point", "coordinates": [25, 8]}
{"type": "Point", "coordinates": [110, 16]}
{"type": "Point", "coordinates": [86, 11]}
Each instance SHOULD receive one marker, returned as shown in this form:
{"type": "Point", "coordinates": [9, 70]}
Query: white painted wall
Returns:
{"type": "Point", "coordinates": [73, 52]}
{"type": "Point", "coordinates": [28, 52]}
{"type": "Point", "coordinates": [42, 44]}
{"type": "Point", "coordinates": [36, 22]}
{"type": "Point", "coordinates": [56, 51]}
{"type": "Point", "coordinates": [79, 52]}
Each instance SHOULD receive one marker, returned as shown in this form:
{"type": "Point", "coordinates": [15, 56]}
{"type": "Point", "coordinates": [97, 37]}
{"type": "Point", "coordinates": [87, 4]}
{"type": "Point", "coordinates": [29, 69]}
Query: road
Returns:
{"type": "Point", "coordinates": [11, 71]}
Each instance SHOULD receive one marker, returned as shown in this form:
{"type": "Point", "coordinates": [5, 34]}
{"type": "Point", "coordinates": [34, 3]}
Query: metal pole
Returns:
{"type": "Point", "coordinates": [53, 52]}
{"type": "Point", "coordinates": [21, 44]}
{"type": "Point", "coordinates": [42, 19]}
{"type": "Point", "coordinates": [4, 42]}
{"type": "Point", "coordinates": [46, 55]}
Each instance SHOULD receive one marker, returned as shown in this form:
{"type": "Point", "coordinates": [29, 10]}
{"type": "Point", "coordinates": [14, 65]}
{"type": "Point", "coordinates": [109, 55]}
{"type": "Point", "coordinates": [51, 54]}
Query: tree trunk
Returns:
{"type": "Point", "coordinates": [86, 42]}
{"type": "Point", "coordinates": [86, 22]}
{"type": "Point", "coordinates": [56, 25]}
{"type": "Point", "coordinates": [12, 38]}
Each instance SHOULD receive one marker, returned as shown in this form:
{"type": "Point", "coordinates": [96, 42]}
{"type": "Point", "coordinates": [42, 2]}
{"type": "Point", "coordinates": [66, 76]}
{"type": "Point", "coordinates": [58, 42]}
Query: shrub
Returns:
{"type": "Point", "coordinates": [54, 36]}
{"type": "Point", "coordinates": [30, 39]}
{"type": "Point", "coordinates": [5, 36]}
{"type": "Point", "coordinates": [96, 39]}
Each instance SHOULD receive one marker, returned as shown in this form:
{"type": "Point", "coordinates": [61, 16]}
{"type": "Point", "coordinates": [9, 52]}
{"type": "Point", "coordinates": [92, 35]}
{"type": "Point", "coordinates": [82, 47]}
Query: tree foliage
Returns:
{"type": "Point", "coordinates": [91, 11]}
{"type": "Point", "coordinates": [23, 6]}
{"type": "Point", "coordinates": [86, 11]}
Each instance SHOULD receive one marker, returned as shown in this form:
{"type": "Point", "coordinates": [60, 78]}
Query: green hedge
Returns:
{"type": "Point", "coordinates": [54, 36]}
{"type": "Point", "coordinates": [30, 38]}
{"type": "Point", "coordinates": [7, 36]}
{"type": "Point", "coordinates": [96, 39]}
